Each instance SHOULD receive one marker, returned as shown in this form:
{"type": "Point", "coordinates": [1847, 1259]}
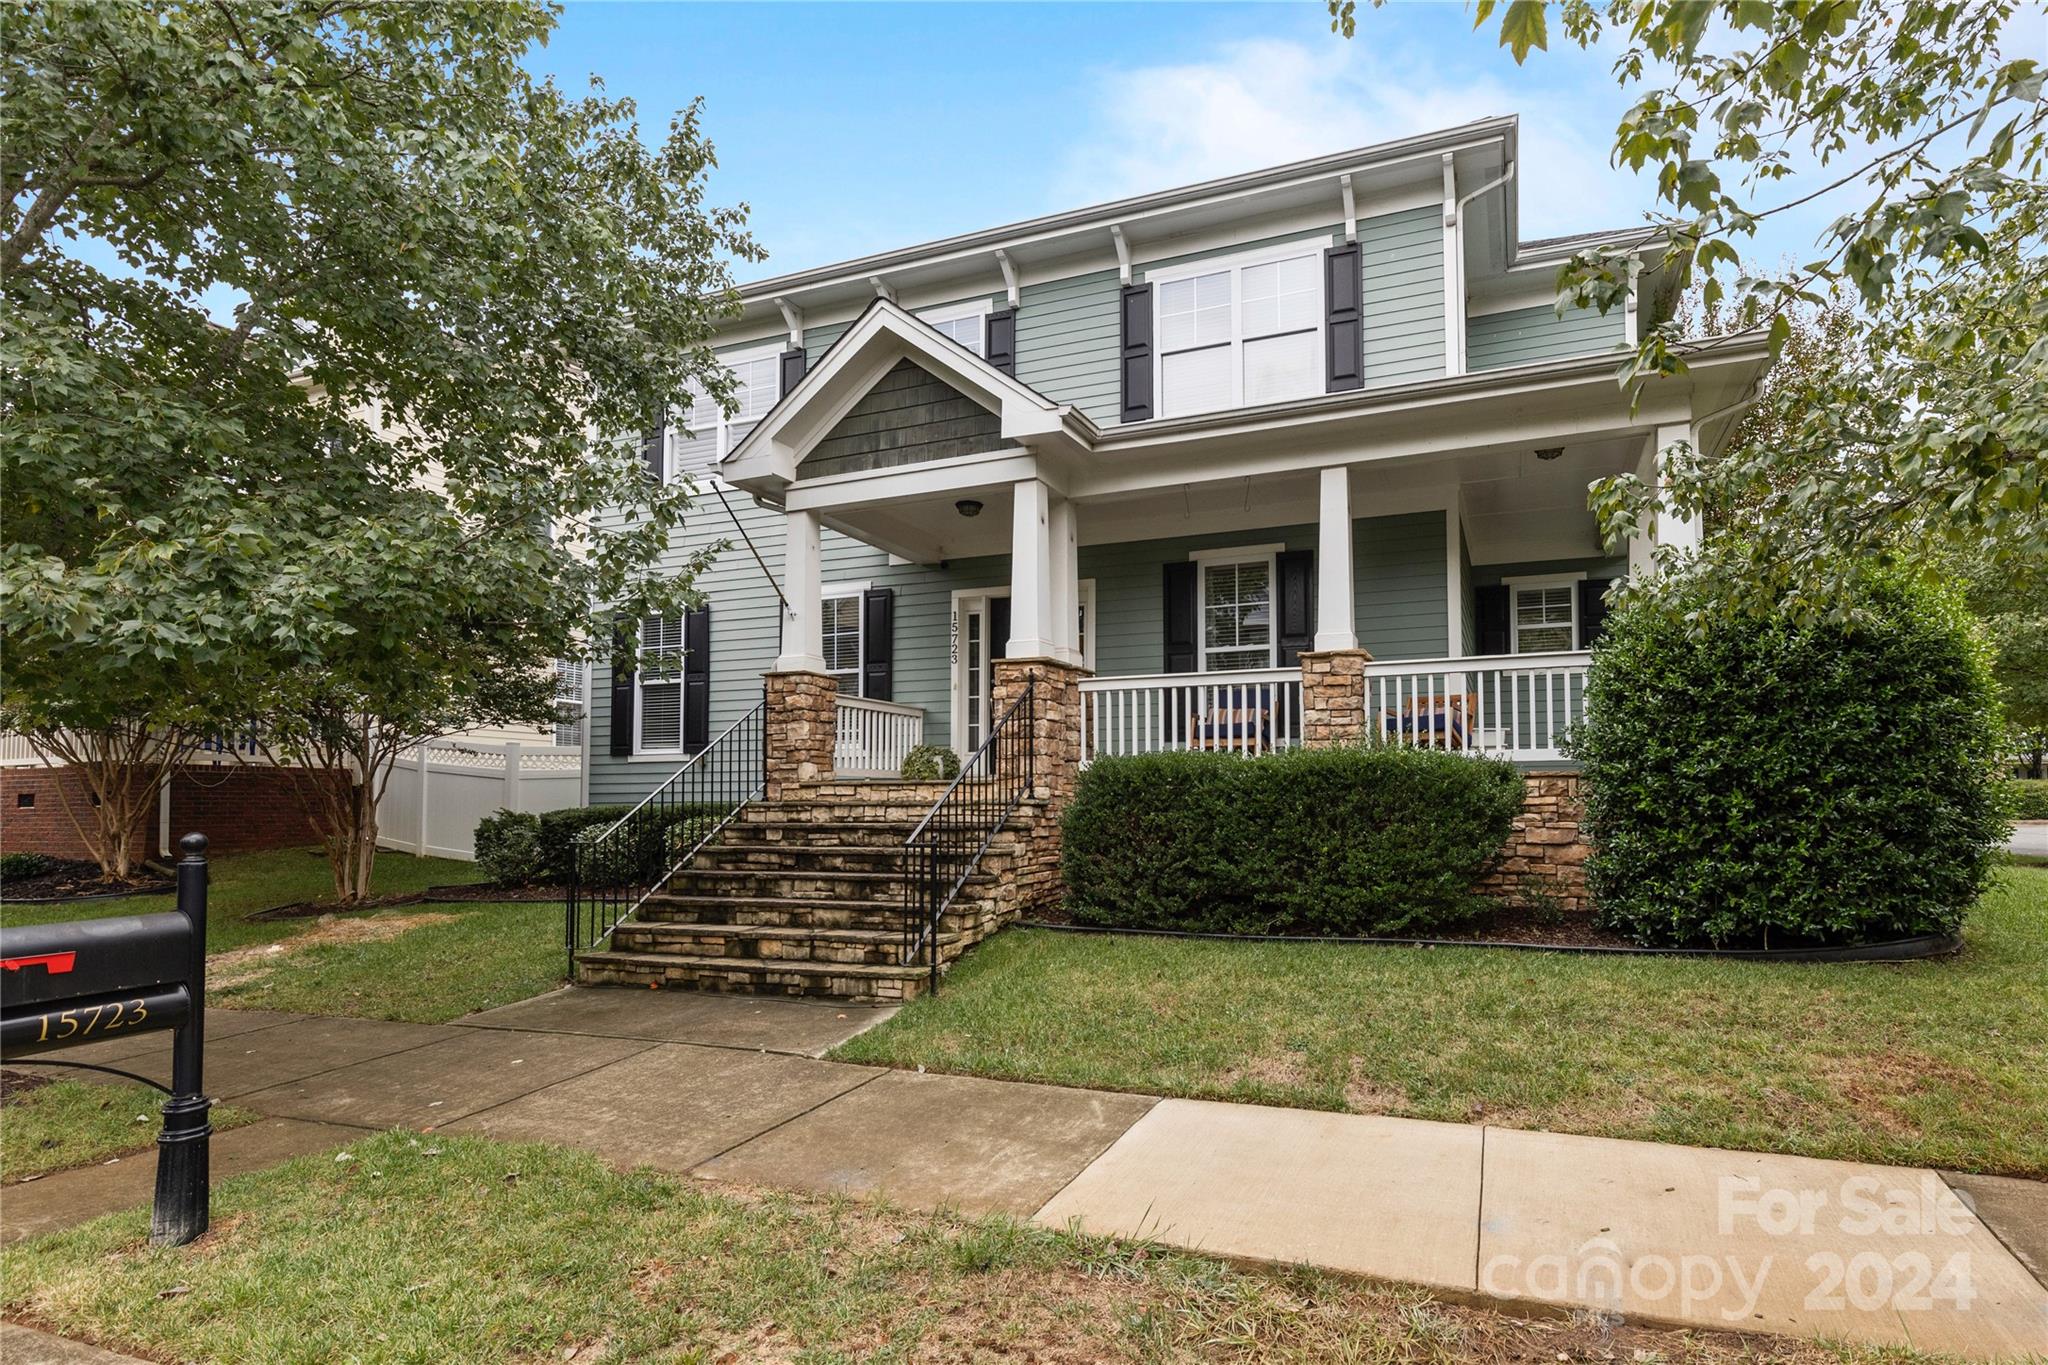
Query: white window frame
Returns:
{"type": "Point", "coordinates": [722, 426]}
{"type": "Point", "coordinates": [954, 312]}
{"type": "Point", "coordinates": [640, 745]}
{"type": "Point", "coordinates": [858, 592]}
{"type": "Point", "coordinates": [1241, 554]}
{"type": "Point", "coordinates": [1236, 265]}
{"type": "Point", "coordinates": [1540, 581]}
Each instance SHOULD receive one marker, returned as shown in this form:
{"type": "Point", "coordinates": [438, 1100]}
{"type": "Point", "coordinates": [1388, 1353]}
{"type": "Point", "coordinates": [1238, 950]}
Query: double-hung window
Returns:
{"type": "Point", "coordinates": [659, 681]}
{"type": "Point", "coordinates": [1237, 610]}
{"type": "Point", "coordinates": [842, 643]}
{"type": "Point", "coordinates": [568, 701]}
{"type": "Point", "coordinates": [1544, 615]}
{"type": "Point", "coordinates": [966, 323]}
{"type": "Point", "coordinates": [1240, 332]}
{"type": "Point", "coordinates": [756, 379]}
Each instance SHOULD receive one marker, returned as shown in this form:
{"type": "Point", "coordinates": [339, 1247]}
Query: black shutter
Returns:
{"type": "Point", "coordinates": [1135, 352]}
{"type": "Point", "coordinates": [1297, 598]}
{"type": "Point", "coordinates": [1344, 334]}
{"type": "Point", "coordinates": [1183, 647]}
{"type": "Point", "coordinates": [1000, 342]}
{"type": "Point", "coordinates": [1592, 610]}
{"type": "Point", "coordinates": [999, 628]}
{"type": "Point", "coordinates": [696, 679]}
{"type": "Point", "coordinates": [1491, 607]}
{"type": "Point", "coordinates": [791, 370]}
{"type": "Point", "coordinates": [653, 446]}
{"type": "Point", "coordinates": [622, 688]}
{"type": "Point", "coordinates": [878, 643]}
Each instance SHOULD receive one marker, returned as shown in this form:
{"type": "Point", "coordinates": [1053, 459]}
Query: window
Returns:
{"type": "Point", "coordinates": [964, 323]}
{"type": "Point", "coordinates": [1237, 613]}
{"type": "Point", "coordinates": [1546, 615]}
{"type": "Point", "coordinates": [659, 681]}
{"type": "Point", "coordinates": [842, 641]}
{"type": "Point", "coordinates": [1242, 332]}
{"type": "Point", "coordinates": [568, 702]}
{"type": "Point", "coordinates": [756, 381]}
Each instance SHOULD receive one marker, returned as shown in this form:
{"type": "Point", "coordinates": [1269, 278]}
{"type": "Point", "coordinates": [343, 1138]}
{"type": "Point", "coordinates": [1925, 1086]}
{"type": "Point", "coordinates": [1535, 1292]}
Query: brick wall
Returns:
{"type": "Point", "coordinates": [1546, 855]}
{"type": "Point", "coordinates": [238, 809]}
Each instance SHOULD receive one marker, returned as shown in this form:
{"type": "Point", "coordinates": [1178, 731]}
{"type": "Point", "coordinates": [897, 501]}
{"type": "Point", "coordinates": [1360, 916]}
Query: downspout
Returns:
{"type": "Point", "coordinates": [1454, 265]}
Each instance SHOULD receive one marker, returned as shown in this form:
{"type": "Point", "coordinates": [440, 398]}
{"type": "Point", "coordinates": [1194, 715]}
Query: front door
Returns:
{"type": "Point", "coordinates": [981, 628]}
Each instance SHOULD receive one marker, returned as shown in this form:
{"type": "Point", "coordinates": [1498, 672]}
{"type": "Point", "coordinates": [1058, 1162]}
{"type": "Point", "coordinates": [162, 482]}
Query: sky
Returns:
{"type": "Point", "coordinates": [852, 128]}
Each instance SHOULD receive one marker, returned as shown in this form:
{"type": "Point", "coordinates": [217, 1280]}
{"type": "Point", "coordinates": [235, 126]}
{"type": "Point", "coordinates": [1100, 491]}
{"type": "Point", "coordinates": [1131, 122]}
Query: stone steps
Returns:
{"type": "Point", "coordinates": [781, 944]}
{"type": "Point", "coordinates": [752, 976]}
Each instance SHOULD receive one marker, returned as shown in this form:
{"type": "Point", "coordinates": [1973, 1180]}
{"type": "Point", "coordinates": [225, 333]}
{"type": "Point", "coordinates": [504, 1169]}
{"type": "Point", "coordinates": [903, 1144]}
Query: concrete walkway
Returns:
{"type": "Point", "coordinates": [733, 1089]}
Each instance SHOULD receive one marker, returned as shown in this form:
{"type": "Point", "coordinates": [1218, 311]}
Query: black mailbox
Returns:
{"type": "Point", "coordinates": [65, 984]}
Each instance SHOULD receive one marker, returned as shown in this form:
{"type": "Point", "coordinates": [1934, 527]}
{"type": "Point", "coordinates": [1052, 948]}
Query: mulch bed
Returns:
{"type": "Point", "coordinates": [80, 879]}
{"type": "Point", "coordinates": [1510, 924]}
{"type": "Point", "coordinates": [476, 893]}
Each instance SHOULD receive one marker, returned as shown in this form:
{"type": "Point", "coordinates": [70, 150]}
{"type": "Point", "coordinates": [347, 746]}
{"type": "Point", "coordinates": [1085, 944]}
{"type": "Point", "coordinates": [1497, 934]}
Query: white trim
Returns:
{"type": "Point", "coordinates": [956, 659]}
{"type": "Point", "coordinates": [833, 592]}
{"type": "Point", "coordinates": [721, 427]}
{"type": "Point", "coordinates": [1516, 584]}
{"type": "Point", "coordinates": [978, 308]}
{"type": "Point", "coordinates": [1234, 265]}
{"type": "Point", "coordinates": [1235, 552]}
{"type": "Point", "coordinates": [1454, 580]}
{"type": "Point", "coordinates": [1308, 245]}
{"type": "Point", "coordinates": [845, 589]}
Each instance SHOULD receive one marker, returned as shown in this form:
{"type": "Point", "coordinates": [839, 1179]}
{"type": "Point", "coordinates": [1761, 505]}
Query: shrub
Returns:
{"type": "Point", "coordinates": [559, 830]}
{"type": "Point", "coordinates": [668, 836]}
{"type": "Point", "coordinates": [508, 847]}
{"type": "Point", "coordinates": [2027, 798]}
{"type": "Point", "coordinates": [1370, 840]}
{"type": "Point", "coordinates": [19, 867]}
{"type": "Point", "coordinates": [930, 763]}
{"type": "Point", "coordinates": [1757, 783]}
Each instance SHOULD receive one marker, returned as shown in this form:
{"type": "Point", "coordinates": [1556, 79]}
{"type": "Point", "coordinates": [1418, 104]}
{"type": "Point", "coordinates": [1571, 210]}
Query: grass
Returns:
{"type": "Point", "coordinates": [419, 963]}
{"type": "Point", "coordinates": [448, 1249]}
{"type": "Point", "coordinates": [1940, 1063]}
{"type": "Point", "coordinates": [77, 1123]}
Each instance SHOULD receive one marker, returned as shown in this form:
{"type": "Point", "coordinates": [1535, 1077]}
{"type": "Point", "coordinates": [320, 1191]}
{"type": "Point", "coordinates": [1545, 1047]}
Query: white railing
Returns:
{"type": "Point", "coordinates": [1251, 712]}
{"type": "Point", "coordinates": [1516, 706]}
{"type": "Point", "coordinates": [873, 737]}
{"type": "Point", "coordinates": [439, 791]}
{"type": "Point", "coordinates": [17, 752]}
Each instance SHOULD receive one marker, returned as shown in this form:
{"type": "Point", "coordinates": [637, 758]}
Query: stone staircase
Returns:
{"type": "Point", "coordinates": [803, 896]}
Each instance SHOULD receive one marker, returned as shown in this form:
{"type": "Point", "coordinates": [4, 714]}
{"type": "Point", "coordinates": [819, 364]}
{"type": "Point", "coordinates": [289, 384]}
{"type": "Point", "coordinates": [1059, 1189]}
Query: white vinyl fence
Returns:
{"type": "Point", "coordinates": [440, 790]}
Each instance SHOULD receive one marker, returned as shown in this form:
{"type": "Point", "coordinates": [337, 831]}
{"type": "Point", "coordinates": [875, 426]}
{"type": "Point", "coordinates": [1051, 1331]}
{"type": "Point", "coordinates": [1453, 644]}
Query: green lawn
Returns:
{"type": "Point", "coordinates": [421, 963]}
{"type": "Point", "coordinates": [75, 1123]}
{"type": "Point", "coordinates": [1937, 1063]}
{"type": "Point", "coordinates": [449, 1249]}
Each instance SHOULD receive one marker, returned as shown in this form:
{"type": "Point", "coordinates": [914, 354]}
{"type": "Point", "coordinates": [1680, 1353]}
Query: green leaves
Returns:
{"type": "Point", "coordinates": [1521, 28]}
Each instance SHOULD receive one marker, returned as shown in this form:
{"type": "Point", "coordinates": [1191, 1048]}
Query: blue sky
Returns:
{"type": "Point", "coordinates": [851, 128]}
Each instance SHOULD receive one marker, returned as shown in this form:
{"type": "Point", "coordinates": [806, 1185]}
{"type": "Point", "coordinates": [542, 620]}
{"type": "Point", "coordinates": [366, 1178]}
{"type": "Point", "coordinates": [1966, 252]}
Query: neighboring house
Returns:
{"type": "Point", "coordinates": [1201, 456]}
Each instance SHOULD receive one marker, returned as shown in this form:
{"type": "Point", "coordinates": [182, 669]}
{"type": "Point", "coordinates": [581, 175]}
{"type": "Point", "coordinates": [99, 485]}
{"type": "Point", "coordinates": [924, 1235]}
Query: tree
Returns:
{"type": "Point", "coordinates": [2014, 610]}
{"type": "Point", "coordinates": [1912, 111]}
{"type": "Point", "coordinates": [438, 272]}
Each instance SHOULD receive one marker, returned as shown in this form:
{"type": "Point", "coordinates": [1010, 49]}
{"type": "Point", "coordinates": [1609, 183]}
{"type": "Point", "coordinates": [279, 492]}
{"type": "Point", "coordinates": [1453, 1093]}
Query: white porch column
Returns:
{"type": "Point", "coordinates": [1034, 633]}
{"type": "Point", "coordinates": [1066, 580]}
{"type": "Point", "coordinates": [1336, 616]}
{"type": "Point", "coordinates": [1665, 529]}
{"type": "Point", "coordinates": [803, 627]}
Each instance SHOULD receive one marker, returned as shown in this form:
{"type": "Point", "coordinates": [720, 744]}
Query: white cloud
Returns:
{"type": "Point", "coordinates": [1266, 101]}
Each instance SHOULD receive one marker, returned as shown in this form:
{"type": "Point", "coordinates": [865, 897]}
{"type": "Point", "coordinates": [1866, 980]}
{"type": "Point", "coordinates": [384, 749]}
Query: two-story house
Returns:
{"type": "Point", "coordinates": [1294, 456]}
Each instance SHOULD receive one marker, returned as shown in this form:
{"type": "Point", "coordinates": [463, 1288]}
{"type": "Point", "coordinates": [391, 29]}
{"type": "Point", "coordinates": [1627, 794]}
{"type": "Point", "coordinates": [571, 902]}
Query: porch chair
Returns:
{"type": "Point", "coordinates": [1234, 727]}
{"type": "Point", "coordinates": [1432, 722]}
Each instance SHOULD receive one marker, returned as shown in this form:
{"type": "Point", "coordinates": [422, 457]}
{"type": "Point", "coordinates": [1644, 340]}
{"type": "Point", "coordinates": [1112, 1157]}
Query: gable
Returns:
{"type": "Point", "coordinates": [909, 417]}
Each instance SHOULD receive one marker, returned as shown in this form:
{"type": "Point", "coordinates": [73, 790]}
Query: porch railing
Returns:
{"type": "Point", "coordinates": [874, 736]}
{"type": "Point", "coordinates": [1515, 706]}
{"type": "Point", "coordinates": [1250, 712]}
{"type": "Point", "coordinates": [945, 848]}
{"type": "Point", "coordinates": [614, 871]}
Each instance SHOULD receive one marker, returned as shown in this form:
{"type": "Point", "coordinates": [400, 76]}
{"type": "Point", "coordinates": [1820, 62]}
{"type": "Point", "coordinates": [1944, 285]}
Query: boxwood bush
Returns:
{"type": "Point", "coordinates": [562, 830]}
{"type": "Point", "coordinates": [930, 763]}
{"type": "Point", "coordinates": [508, 847]}
{"type": "Point", "coordinates": [1367, 840]}
{"type": "Point", "coordinates": [1755, 783]}
{"type": "Point", "coordinates": [2027, 798]}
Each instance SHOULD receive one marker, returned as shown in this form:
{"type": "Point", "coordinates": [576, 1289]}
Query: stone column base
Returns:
{"type": "Point", "coordinates": [802, 728]}
{"type": "Point", "coordinates": [1544, 863]}
{"type": "Point", "coordinates": [1333, 697]}
{"type": "Point", "coordinates": [1055, 765]}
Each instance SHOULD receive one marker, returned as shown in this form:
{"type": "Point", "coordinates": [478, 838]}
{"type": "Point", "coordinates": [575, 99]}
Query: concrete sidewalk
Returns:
{"type": "Point", "coordinates": [730, 1088]}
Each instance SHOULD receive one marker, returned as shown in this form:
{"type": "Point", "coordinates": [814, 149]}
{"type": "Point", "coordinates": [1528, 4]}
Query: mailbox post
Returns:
{"type": "Point", "coordinates": [182, 1148]}
{"type": "Point", "coordinates": [80, 982]}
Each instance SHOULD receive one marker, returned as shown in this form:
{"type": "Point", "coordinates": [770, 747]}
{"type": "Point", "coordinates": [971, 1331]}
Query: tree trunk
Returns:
{"type": "Point", "coordinates": [120, 771]}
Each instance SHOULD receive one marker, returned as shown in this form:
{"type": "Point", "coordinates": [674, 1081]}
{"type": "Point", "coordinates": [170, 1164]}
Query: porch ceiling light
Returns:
{"type": "Point", "coordinates": [1549, 452]}
{"type": "Point", "coordinates": [968, 507]}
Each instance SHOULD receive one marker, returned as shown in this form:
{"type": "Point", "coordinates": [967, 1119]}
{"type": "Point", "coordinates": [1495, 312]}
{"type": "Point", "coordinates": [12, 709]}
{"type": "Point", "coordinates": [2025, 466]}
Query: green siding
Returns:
{"type": "Point", "coordinates": [818, 340]}
{"type": "Point", "coordinates": [1524, 336]}
{"type": "Point", "coordinates": [1404, 296]}
{"type": "Point", "coordinates": [1130, 597]}
{"type": "Point", "coordinates": [1067, 342]}
{"type": "Point", "coordinates": [1397, 566]}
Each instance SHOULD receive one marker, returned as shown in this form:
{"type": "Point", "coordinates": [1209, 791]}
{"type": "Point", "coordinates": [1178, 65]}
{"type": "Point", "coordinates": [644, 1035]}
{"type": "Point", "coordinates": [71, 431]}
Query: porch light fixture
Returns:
{"type": "Point", "coordinates": [968, 507]}
{"type": "Point", "coordinates": [1549, 452]}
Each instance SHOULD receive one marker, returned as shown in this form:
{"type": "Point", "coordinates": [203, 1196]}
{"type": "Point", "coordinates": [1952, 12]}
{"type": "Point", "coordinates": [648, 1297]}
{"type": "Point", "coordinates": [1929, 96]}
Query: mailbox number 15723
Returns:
{"type": "Point", "coordinates": [89, 1019]}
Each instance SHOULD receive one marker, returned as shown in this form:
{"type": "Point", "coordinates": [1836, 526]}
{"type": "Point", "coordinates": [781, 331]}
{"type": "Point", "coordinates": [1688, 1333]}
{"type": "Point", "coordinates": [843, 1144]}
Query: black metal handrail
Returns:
{"type": "Point", "coordinates": [947, 845]}
{"type": "Point", "coordinates": [614, 871]}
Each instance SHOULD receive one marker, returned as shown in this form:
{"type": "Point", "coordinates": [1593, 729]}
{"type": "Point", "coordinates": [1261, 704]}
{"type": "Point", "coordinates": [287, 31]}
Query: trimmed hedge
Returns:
{"type": "Point", "coordinates": [2027, 798]}
{"type": "Point", "coordinates": [1368, 840]}
{"type": "Point", "coordinates": [562, 830]}
{"type": "Point", "coordinates": [508, 847]}
{"type": "Point", "coordinates": [1755, 784]}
